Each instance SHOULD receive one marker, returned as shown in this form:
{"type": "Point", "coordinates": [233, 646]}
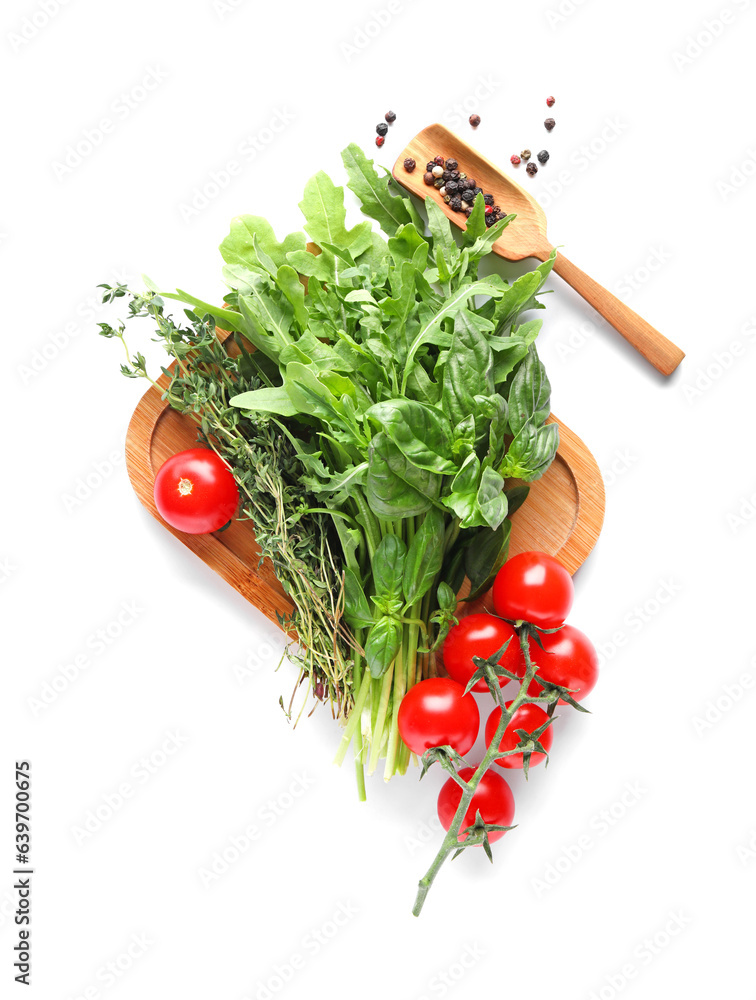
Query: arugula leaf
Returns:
{"type": "Point", "coordinates": [239, 246]}
{"type": "Point", "coordinates": [373, 192]}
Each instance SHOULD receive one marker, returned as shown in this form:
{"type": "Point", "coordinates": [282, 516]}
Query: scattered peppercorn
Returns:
{"type": "Point", "coordinates": [470, 182]}
{"type": "Point", "coordinates": [428, 177]}
{"type": "Point", "coordinates": [439, 182]}
{"type": "Point", "coordinates": [451, 164]}
{"type": "Point", "coordinates": [478, 190]}
{"type": "Point", "coordinates": [455, 175]}
{"type": "Point", "coordinates": [381, 128]}
{"type": "Point", "coordinates": [442, 191]}
{"type": "Point", "coordinates": [532, 169]}
{"type": "Point", "coordinates": [390, 117]}
{"type": "Point", "coordinates": [467, 211]}
{"type": "Point", "coordinates": [430, 165]}
{"type": "Point", "coordinates": [439, 161]}
{"type": "Point", "coordinates": [379, 140]}
{"type": "Point", "coordinates": [409, 164]}
{"type": "Point", "coordinates": [526, 154]}
{"type": "Point", "coordinates": [447, 198]}
{"type": "Point", "coordinates": [549, 124]}
{"type": "Point", "coordinates": [437, 171]}
{"type": "Point", "coordinates": [543, 156]}
{"type": "Point", "coordinates": [551, 101]}
{"type": "Point", "coordinates": [489, 210]}
{"type": "Point", "coordinates": [488, 199]}
{"type": "Point", "coordinates": [462, 176]}
{"type": "Point", "coordinates": [456, 204]}
{"type": "Point", "coordinates": [452, 187]}
{"type": "Point", "coordinates": [475, 120]}
{"type": "Point", "coordinates": [515, 160]}
{"type": "Point", "coordinates": [447, 175]}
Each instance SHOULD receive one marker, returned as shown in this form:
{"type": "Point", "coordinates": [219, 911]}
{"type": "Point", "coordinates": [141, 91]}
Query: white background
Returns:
{"type": "Point", "coordinates": [657, 201]}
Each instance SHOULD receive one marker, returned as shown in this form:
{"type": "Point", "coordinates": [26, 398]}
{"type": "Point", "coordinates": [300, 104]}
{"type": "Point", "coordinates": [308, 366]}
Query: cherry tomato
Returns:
{"type": "Point", "coordinates": [527, 717]}
{"type": "Point", "coordinates": [568, 658]}
{"type": "Point", "coordinates": [492, 798]}
{"type": "Point", "coordinates": [479, 635]}
{"type": "Point", "coordinates": [196, 492]}
{"type": "Point", "coordinates": [437, 712]}
{"type": "Point", "coordinates": [533, 587]}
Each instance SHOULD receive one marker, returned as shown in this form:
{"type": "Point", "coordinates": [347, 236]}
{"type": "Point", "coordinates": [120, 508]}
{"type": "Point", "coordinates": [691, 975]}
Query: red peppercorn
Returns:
{"type": "Point", "coordinates": [551, 101]}
{"type": "Point", "coordinates": [380, 139]}
{"type": "Point", "coordinates": [489, 209]}
{"type": "Point", "coordinates": [439, 161]}
{"type": "Point", "coordinates": [515, 160]}
{"type": "Point", "coordinates": [475, 120]}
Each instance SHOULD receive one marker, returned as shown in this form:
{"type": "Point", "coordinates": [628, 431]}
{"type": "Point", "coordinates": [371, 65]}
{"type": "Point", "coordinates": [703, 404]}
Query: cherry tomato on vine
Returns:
{"type": "Point", "coordinates": [527, 717]}
{"type": "Point", "coordinates": [568, 658]}
{"type": "Point", "coordinates": [533, 587]}
{"type": "Point", "coordinates": [479, 635]}
{"type": "Point", "coordinates": [492, 798]}
{"type": "Point", "coordinates": [196, 492]}
{"type": "Point", "coordinates": [437, 712]}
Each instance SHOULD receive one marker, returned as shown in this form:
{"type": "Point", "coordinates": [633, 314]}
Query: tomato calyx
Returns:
{"type": "Point", "coordinates": [476, 835]}
{"type": "Point", "coordinates": [447, 757]}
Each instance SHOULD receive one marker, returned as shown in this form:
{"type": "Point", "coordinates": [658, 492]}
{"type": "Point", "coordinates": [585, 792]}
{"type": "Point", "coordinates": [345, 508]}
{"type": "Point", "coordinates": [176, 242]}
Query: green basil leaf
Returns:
{"type": "Point", "coordinates": [395, 488]}
{"type": "Point", "coordinates": [425, 556]}
{"type": "Point", "coordinates": [491, 500]}
{"type": "Point", "coordinates": [468, 370]}
{"type": "Point", "coordinates": [388, 567]}
{"type": "Point", "coordinates": [420, 432]}
{"type": "Point", "coordinates": [382, 645]}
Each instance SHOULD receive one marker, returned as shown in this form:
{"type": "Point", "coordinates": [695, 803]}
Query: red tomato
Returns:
{"type": "Point", "coordinates": [533, 587]}
{"type": "Point", "coordinates": [196, 492]}
{"type": "Point", "coordinates": [527, 717]}
{"type": "Point", "coordinates": [437, 712]}
{"type": "Point", "coordinates": [568, 658]}
{"type": "Point", "coordinates": [492, 798]}
{"type": "Point", "coordinates": [479, 635]}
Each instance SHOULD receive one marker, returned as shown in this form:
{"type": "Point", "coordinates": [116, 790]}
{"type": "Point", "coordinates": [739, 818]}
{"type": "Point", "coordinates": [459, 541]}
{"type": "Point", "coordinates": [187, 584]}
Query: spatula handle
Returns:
{"type": "Point", "coordinates": [654, 346]}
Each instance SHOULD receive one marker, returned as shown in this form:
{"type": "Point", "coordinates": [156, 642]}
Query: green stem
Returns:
{"type": "Point", "coordinates": [380, 720]}
{"type": "Point", "coordinates": [354, 718]}
{"type": "Point", "coordinates": [451, 840]}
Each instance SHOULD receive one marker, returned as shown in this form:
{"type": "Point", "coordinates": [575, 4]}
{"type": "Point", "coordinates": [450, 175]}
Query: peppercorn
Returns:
{"type": "Point", "coordinates": [478, 191]}
{"type": "Point", "coordinates": [381, 128]}
{"type": "Point", "coordinates": [551, 101]}
{"type": "Point", "coordinates": [439, 183]}
{"type": "Point", "coordinates": [447, 198]}
{"type": "Point", "coordinates": [489, 210]}
{"type": "Point", "coordinates": [456, 204]}
{"type": "Point", "coordinates": [488, 199]}
{"type": "Point", "coordinates": [467, 211]}
{"type": "Point", "coordinates": [438, 171]}
{"type": "Point", "coordinates": [379, 140]}
{"type": "Point", "coordinates": [428, 177]}
{"type": "Point", "coordinates": [430, 165]}
{"type": "Point", "coordinates": [409, 164]}
{"type": "Point", "coordinates": [439, 161]}
{"type": "Point", "coordinates": [390, 117]}
{"type": "Point", "coordinates": [462, 175]}
{"type": "Point", "coordinates": [447, 175]}
{"type": "Point", "coordinates": [526, 154]}
{"type": "Point", "coordinates": [543, 156]}
{"type": "Point", "coordinates": [475, 120]}
{"type": "Point", "coordinates": [549, 124]}
{"type": "Point", "coordinates": [515, 160]}
{"type": "Point", "coordinates": [470, 182]}
{"type": "Point", "coordinates": [451, 164]}
{"type": "Point", "coordinates": [442, 191]}
{"type": "Point", "coordinates": [532, 169]}
{"type": "Point", "coordinates": [455, 175]}
{"type": "Point", "coordinates": [452, 187]}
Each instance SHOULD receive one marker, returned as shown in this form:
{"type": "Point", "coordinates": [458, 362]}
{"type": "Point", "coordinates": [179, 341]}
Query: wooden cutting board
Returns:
{"type": "Point", "coordinates": [562, 515]}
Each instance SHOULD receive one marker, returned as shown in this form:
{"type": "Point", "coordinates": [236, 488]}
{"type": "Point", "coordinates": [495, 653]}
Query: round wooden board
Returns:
{"type": "Point", "coordinates": [562, 515]}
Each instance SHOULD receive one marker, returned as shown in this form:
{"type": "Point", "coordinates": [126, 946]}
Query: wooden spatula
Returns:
{"type": "Point", "coordinates": [526, 236]}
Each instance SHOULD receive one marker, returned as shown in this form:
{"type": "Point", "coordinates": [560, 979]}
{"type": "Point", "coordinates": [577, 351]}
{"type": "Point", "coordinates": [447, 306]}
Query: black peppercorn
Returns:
{"type": "Point", "coordinates": [549, 123]}
{"type": "Point", "coordinates": [456, 203]}
{"type": "Point", "coordinates": [428, 177]}
{"type": "Point", "coordinates": [447, 175]}
{"type": "Point", "coordinates": [390, 117]}
{"type": "Point", "coordinates": [381, 128]}
{"type": "Point", "coordinates": [475, 120]}
{"type": "Point", "coordinates": [478, 191]}
{"type": "Point", "coordinates": [488, 199]}
{"type": "Point", "coordinates": [543, 156]}
{"type": "Point", "coordinates": [430, 164]}
{"type": "Point", "coordinates": [467, 211]}
{"type": "Point", "coordinates": [489, 220]}
{"type": "Point", "coordinates": [409, 164]}
{"type": "Point", "coordinates": [532, 169]}
{"type": "Point", "coordinates": [452, 187]}
{"type": "Point", "coordinates": [470, 182]}
{"type": "Point", "coordinates": [451, 164]}
{"type": "Point", "coordinates": [455, 175]}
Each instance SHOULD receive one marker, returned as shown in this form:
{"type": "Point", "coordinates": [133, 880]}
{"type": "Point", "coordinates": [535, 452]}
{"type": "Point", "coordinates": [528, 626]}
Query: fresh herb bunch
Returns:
{"type": "Point", "coordinates": [413, 398]}
{"type": "Point", "coordinates": [298, 541]}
